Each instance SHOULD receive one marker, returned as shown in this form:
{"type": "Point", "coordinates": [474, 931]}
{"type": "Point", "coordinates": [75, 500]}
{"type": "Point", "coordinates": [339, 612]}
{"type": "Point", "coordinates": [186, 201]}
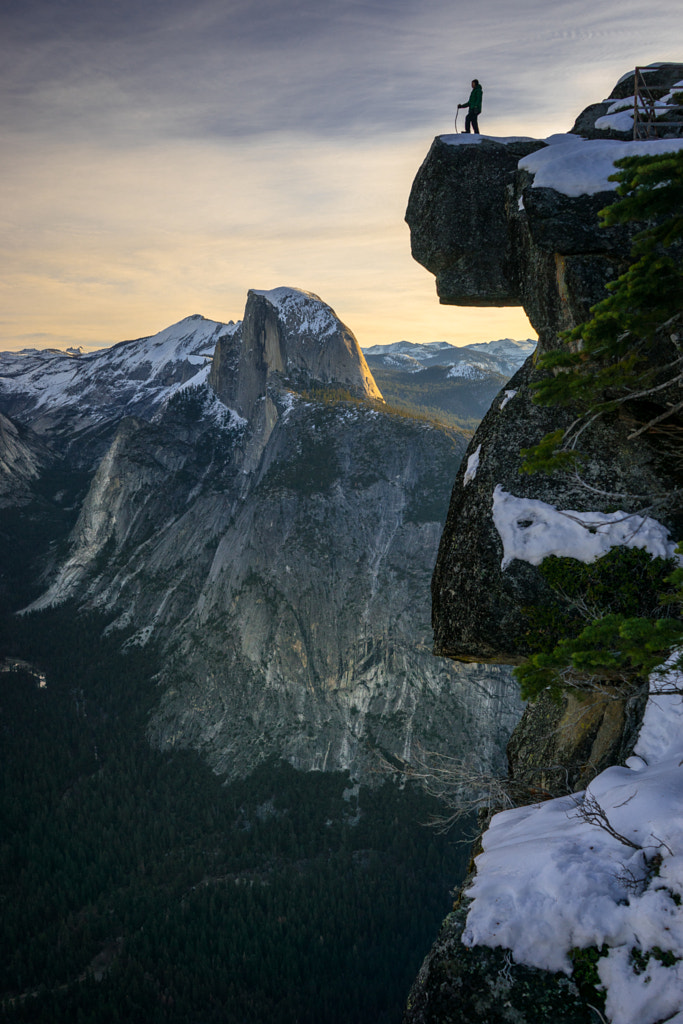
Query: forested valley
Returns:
{"type": "Point", "coordinates": [137, 885]}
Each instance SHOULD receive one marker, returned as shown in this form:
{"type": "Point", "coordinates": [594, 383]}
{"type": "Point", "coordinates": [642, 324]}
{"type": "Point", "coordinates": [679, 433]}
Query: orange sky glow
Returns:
{"type": "Point", "coordinates": [160, 159]}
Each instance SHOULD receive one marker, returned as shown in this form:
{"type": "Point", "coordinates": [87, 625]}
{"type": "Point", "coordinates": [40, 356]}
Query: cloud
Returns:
{"type": "Point", "coordinates": [162, 156]}
{"type": "Point", "coordinates": [117, 246]}
{"type": "Point", "coordinates": [208, 68]}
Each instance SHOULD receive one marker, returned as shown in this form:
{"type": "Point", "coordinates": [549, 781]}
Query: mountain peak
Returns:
{"type": "Point", "coordinates": [293, 336]}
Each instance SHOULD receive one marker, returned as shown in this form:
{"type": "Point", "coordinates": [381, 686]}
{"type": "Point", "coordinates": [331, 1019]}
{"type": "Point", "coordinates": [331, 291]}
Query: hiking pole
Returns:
{"type": "Point", "coordinates": [456, 119]}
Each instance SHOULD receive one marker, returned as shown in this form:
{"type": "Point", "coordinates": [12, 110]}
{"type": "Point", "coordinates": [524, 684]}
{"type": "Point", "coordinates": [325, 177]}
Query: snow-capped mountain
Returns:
{"type": "Point", "coordinates": [67, 395]}
{"type": "Point", "coordinates": [444, 381]}
{"type": "Point", "coordinates": [73, 397]}
{"type": "Point", "coordinates": [504, 356]}
{"type": "Point", "coordinates": [274, 540]}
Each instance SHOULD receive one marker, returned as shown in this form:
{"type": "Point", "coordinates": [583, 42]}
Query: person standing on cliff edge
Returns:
{"type": "Point", "coordinates": [474, 105]}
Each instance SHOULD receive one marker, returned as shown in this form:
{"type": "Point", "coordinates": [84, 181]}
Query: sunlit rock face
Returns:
{"type": "Point", "coordinates": [290, 335]}
{"type": "Point", "coordinates": [515, 222]}
{"type": "Point", "coordinates": [288, 339]}
{"type": "Point", "coordinates": [278, 548]}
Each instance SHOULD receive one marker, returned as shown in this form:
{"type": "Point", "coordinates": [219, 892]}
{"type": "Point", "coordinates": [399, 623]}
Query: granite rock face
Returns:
{"type": "Point", "coordinates": [478, 606]}
{"type": "Point", "coordinates": [492, 239]}
{"type": "Point", "coordinates": [478, 985]}
{"type": "Point", "coordinates": [492, 236]}
{"type": "Point", "coordinates": [23, 456]}
{"type": "Point", "coordinates": [276, 543]}
{"type": "Point", "coordinates": [458, 224]}
{"type": "Point", "coordinates": [293, 336]}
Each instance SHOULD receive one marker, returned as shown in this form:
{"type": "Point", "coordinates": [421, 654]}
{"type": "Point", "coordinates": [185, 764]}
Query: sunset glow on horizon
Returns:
{"type": "Point", "coordinates": [162, 158]}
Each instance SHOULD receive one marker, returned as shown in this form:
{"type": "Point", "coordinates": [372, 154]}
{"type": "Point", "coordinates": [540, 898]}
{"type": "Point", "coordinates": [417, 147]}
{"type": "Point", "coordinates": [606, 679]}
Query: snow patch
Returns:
{"type": "Point", "coordinates": [508, 396]}
{"type": "Point", "coordinates": [472, 467]}
{"type": "Point", "coordinates": [531, 530]}
{"type": "Point", "coordinates": [467, 371]}
{"type": "Point", "coordinates": [576, 166]}
{"type": "Point", "coordinates": [550, 879]}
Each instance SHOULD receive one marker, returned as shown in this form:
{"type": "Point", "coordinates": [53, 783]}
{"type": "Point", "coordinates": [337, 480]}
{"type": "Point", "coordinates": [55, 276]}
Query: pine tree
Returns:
{"type": "Point", "coordinates": [629, 352]}
{"type": "Point", "coordinates": [616, 356]}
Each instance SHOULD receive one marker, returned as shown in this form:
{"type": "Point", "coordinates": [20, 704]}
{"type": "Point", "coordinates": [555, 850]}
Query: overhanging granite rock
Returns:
{"type": "Point", "coordinates": [493, 232]}
{"type": "Point", "coordinates": [458, 223]}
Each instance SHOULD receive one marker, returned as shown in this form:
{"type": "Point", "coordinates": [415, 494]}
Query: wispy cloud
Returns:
{"type": "Point", "coordinates": [162, 156]}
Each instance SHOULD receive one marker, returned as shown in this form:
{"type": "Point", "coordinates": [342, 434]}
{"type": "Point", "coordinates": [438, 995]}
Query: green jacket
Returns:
{"type": "Point", "coordinates": [474, 102]}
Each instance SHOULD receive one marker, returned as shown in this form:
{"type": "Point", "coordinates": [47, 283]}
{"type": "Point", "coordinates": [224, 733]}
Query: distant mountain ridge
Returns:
{"type": "Point", "coordinates": [504, 356]}
{"type": "Point", "coordinates": [75, 398]}
{"type": "Point", "coordinates": [453, 384]}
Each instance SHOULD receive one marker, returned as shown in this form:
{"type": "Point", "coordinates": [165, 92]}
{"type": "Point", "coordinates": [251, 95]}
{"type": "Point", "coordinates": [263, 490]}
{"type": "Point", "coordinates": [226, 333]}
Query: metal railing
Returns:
{"type": "Point", "coordinates": [647, 109]}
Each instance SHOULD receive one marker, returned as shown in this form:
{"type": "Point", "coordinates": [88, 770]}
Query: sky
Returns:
{"type": "Point", "coordinates": [159, 158]}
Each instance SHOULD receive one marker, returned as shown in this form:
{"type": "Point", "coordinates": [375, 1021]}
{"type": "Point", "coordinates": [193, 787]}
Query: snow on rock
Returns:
{"type": "Point", "coordinates": [531, 530]}
{"type": "Point", "coordinates": [620, 113]}
{"type": "Point", "coordinates": [313, 316]}
{"type": "Point", "coordinates": [139, 374]}
{"type": "Point", "coordinates": [552, 878]}
{"type": "Point", "coordinates": [619, 121]}
{"type": "Point", "coordinates": [472, 467]}
{"type": "Point", "coordinates": [576, 166]}
{"type": "Point", "coordinates": [403, 362]}
{"type": "Point", "coordinates": [507, 397]}
{"type": "Point", "coordinates": [662, 727]}
{"type": "Point", "coordinates": [466, 371]}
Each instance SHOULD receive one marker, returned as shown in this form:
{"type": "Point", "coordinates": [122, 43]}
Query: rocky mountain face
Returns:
{"type": "Point", "coordinates": [267, 523]}
{"type": "Point", "coordinates": [514, 222]}
{"type": "Point", "coordinates": [23, 456]}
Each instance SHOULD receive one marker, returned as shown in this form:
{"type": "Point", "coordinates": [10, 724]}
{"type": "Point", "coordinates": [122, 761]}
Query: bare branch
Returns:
{"type": "Point", "coordinates": [657, 419]}
{"type": "Point", "coordinates": [592, 812]}
{"type": "Point", "coordinates": [463, 787]}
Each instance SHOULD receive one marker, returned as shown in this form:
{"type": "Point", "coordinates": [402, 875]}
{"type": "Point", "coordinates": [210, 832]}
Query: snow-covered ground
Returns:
{"type": "Point", "coordinates": [552, 878]}
{"type": "Point", "coordinates": [576, 166]}
{"type": "Point", "coordinates": [602, 867]}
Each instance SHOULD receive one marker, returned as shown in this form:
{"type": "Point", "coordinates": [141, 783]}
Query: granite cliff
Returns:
{"type": "Point", "coordinates": [267, 522]}
{"type": "Point", "coordinates": [23, 456]}
{"type": "Point", "coordinates": [514, 222]}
